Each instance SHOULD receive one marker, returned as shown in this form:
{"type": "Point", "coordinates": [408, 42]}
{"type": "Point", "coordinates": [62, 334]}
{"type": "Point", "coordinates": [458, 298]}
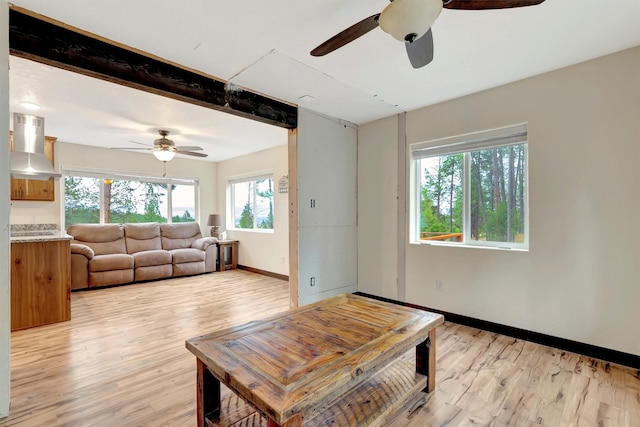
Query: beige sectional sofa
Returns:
{"type": "Point", "coordinates": [113, 254]}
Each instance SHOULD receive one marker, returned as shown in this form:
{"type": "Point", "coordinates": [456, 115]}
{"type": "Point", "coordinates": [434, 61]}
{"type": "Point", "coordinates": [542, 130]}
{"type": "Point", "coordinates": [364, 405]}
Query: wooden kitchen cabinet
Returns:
{"type": "Point", "coordinates": [33, 189]}
{"type": "Point", "coordinates": [40, 283]}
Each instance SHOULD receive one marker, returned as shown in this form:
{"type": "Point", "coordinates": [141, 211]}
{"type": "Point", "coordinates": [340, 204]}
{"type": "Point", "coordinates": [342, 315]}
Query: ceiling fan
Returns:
{"type": "Point", "coordinates": [165, 149]}
{"type": "Point", "coordinates": [410, 21]}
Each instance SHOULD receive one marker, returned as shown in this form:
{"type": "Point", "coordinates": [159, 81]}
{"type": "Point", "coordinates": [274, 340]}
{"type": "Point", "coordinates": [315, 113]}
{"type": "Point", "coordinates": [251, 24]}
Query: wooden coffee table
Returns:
{"type": "Point", "coordinates": [338, 360]}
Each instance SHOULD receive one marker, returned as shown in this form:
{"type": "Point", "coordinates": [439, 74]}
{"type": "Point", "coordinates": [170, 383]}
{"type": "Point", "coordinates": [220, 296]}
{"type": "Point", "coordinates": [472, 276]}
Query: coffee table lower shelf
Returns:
{"type": "Point", "coordinates": [372, 403]}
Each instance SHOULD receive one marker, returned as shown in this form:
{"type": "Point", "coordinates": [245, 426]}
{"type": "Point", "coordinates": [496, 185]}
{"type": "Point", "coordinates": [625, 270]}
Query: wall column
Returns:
{"type": "Point", "coordinates": [5, 212]}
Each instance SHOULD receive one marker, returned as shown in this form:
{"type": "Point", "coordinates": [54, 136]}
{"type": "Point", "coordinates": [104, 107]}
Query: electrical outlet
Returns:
{"type": "Point", "coordinates": [312, 281]}
{"type": "Point", "coordinates": [313, 203]}
{"type": "Point", "coordinates": [440, 285]}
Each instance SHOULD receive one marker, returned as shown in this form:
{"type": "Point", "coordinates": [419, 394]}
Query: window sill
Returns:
{"type": "Point", "coordinates": [251, 230]}
{"type": "Point", "coordinates": [462, 245]}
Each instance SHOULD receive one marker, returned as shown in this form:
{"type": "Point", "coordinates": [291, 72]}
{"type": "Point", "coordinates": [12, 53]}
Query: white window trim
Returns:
{"type": "Point", "coordinates": [107, 174]}
{"type": "Point", "coordinates": [493, 138]}
{"type": "Point", "coordinates": [249, 178]}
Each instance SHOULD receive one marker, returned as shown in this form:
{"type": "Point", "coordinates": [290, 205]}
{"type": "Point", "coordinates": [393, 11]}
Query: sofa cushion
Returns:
{"type": "Point", "coordinates": [188, 268]}
{"type": "Point", "coordinates": [102, 238]}
{"type": "Point", "coordinates": [111, 262]}
{"type": "Point", "coordinates": [153, 272]}
{"type": "Point", "coordinates": [142, 237]}
{"type": "Point", "coordinates": [113, 277]}
{"type": "Point", "coordinates": [149, 258]}
{"type": "Point", "coordinates": [179, 235]}
{"type": "Point", "coordinates": [181, 256]}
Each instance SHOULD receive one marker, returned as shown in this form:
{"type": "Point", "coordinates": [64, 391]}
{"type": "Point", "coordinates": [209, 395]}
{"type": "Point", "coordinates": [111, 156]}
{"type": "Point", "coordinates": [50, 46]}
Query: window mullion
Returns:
{"type": "Point", "coordinates": [525, 171]}
{"type": "Point", "coordinates": [170, 205]}
{"type": "Point", "coordinates": [255, 203]}
{"type": "Point", "coordinates": [466, 197]}
{"type": "Point", "coordinates": [232, 205]}
{"type": "Point", "coordinates": [102, 206]}
{"type": "Point", "coordinates": [418, 196]}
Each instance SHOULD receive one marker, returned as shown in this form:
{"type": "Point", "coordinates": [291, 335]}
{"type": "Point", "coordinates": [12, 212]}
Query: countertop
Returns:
{"type": "Point", "coordinates": [52, 235]}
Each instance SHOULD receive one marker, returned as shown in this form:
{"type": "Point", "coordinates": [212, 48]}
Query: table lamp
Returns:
{"type": "Point", "coordinates": [214, 221]}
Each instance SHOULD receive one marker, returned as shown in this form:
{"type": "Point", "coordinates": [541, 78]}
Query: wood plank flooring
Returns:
{"type": "Point", "coordinates": [121, 361]}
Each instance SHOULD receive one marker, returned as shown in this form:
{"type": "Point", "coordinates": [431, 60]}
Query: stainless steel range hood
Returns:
{"type": "Point", "coordinates": [27, 158]}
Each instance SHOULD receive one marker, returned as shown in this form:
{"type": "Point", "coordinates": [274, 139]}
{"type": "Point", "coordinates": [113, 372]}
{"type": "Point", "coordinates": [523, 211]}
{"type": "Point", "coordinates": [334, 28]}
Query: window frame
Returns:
{"type": "Point", "coordinates": [244, 178]}
{"type": "Point", "coordinates": [466, 144]}
{"type": "Point", "coordinates": [119, 175]}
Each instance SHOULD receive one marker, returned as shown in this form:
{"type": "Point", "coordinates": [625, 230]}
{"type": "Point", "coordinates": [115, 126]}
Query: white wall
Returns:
{"type": "Point", "coordinates": [378, 187]}
{"type": "Point", "coordinates": [327, 234]}
{"type": "Point", "coordinates": [580, 279]}
{"type": "Point", "coordinates": [268, 251]}
{"type": "Point", "coordinates": [76, 156]}
{"type": "Point", "coordinates": [5, 320]}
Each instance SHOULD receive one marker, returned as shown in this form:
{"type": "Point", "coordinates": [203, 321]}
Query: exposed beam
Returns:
{"type": "Point", "coordinates": [44, 40]}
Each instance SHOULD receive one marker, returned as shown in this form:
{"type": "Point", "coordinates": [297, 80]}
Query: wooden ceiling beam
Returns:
{"type": "Point", "coordinates": [49, 42]}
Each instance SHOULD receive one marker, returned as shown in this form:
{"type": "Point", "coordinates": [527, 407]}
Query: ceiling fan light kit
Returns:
{"type": "Point", "coordinates": [164, 155]}
{"type": "Point", "coordinates": [407, 20]}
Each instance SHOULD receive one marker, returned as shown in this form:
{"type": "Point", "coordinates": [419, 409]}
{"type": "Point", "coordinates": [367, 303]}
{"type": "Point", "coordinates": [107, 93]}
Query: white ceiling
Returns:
{"type": "Point", "coordinates": [84, 110]}
{"type": "Point", "coordinates": [264, 45]}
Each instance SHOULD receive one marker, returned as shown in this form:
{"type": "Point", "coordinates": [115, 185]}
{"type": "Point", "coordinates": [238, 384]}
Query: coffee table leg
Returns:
{"type": "Point", "coordinates": [426, 360]}
{"type": "Point", "coordinates": [295, 421]}
{"type": "Point", "coordinates": [207, 395]}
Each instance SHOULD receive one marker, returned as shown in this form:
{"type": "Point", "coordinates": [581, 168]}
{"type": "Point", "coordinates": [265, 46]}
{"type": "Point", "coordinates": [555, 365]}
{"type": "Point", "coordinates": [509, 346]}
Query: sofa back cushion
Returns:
{"type": "Point", "coordinates": [179, 235]}
{"type": "Point", "coordinates": [102, 238]}
{"type": "Point", "coordinates": [142, 237]}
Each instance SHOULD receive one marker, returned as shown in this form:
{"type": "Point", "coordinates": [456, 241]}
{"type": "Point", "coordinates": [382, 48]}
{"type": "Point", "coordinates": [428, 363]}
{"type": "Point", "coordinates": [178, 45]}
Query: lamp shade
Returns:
{"type": "Point", "coordinates": [214, 220]}
{"type": "Point", "coordinates": [402, 18]}
{"type": "Point", "coordinates": [164, 155]}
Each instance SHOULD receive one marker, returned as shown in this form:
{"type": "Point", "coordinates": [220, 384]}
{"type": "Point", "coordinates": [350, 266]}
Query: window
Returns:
{"type": "Point", "coordinates": [109, 198]}
{"type": "Point", "coordinates": [183, 203]}
{"type": "Point", "coordinates": [81, 200]}
{"type": "Point", "coordinates": [472, 189]}
{"type": "Point", "coordinates": [252, 202]}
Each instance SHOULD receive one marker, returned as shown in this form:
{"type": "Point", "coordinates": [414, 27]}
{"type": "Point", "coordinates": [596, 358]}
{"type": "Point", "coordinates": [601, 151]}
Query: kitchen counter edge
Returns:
{"type": "Point", "coordinates": [60, 235]}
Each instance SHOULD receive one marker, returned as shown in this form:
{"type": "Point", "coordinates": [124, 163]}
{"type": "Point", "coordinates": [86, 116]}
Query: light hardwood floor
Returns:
{"type": "Point", "coordinates": [121, 361]}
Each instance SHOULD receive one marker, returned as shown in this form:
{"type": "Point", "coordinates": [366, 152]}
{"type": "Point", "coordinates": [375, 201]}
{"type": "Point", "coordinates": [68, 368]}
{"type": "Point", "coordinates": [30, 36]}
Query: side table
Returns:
{"type": "Point", "coordinates": [224, 262]}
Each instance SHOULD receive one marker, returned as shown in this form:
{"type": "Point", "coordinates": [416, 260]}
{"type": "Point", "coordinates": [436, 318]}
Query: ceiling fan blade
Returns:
{"type": "Point", "coordinates": [140, 143]}
{"type": "Point", "coordinates": [191, 153]}
{"type": "Point", "coordinates": [347, 36]}
{"type": "Point", "coordinates": [131, 148]}
{"type": "Point", "coordinates": [189, 147]}
{"type": "Point", "coordinates": [420, 51]}
{"type": "Point", "coordinates": [489, 4]}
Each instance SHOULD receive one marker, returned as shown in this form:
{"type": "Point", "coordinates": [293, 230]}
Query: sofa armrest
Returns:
{"type": "Point", "coordinates": [77, 248]}
{"type": "Point", "coordinates": [203, 243]}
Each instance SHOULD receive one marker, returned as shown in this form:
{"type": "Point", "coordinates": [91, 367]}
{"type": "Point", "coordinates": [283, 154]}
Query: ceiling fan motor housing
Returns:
{"type": "Point", "coordinates": [407, 20]}
{"type": "Point", "coordinates": [164, 143]}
